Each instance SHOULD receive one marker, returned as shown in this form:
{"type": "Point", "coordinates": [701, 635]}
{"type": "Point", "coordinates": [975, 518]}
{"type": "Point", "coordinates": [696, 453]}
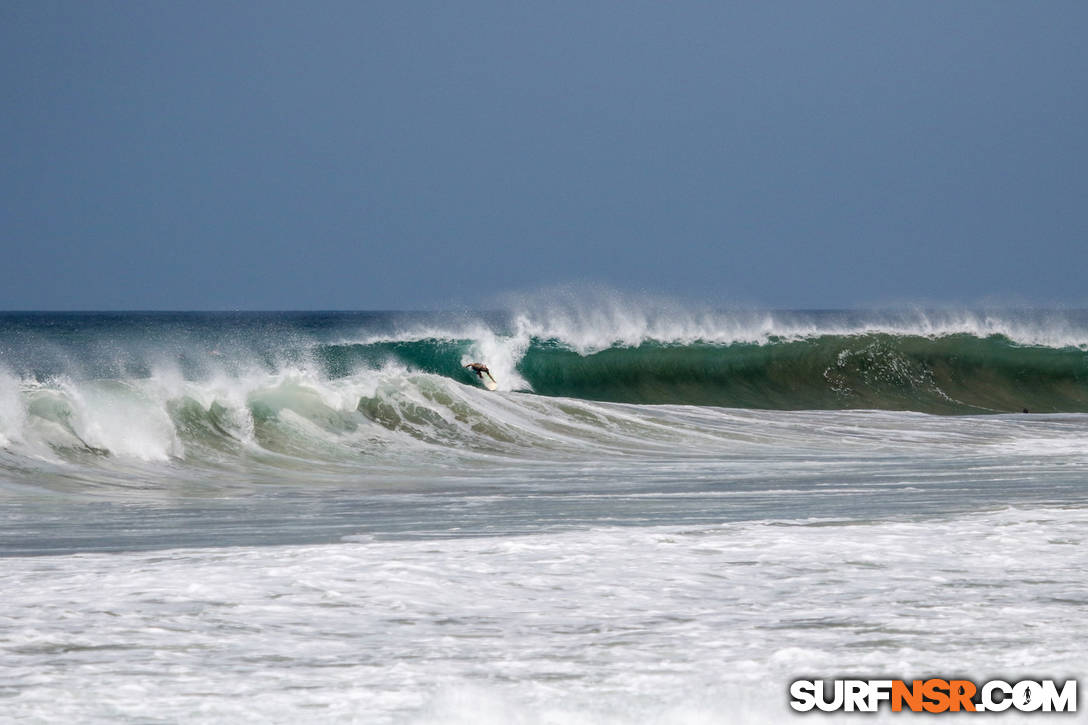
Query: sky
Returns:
{"type": "Point", "coordinates": [428, 155]}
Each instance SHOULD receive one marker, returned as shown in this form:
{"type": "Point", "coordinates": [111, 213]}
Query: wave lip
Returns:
{"type": "Point", "coordinates": [591, 320]}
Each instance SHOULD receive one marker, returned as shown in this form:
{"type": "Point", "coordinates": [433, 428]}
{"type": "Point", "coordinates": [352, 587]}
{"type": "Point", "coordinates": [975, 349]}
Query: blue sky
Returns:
{"type": "Point", "coordinates": [364, 155]}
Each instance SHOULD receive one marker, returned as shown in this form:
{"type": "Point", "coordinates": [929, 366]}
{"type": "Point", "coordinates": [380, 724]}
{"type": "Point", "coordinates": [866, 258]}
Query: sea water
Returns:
{"type": "Point", "coordinates": [663, 515]}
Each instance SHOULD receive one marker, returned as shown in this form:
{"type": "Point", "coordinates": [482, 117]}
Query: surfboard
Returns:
{"type": "Point", "coordinates": [489, 382]}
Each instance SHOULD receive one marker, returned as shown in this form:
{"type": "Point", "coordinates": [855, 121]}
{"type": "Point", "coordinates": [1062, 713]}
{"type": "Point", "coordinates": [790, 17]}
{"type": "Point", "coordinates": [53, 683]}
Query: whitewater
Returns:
{"type": "Point", "coordinates": [664, 514]}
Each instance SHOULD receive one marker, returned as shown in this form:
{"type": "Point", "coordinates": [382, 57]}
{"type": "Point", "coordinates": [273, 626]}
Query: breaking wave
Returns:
{"type": "Point", "coordinates": [325, 391]}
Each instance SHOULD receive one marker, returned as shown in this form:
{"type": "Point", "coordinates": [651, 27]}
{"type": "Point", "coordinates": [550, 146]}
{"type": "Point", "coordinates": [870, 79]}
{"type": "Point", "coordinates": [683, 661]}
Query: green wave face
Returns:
{"type": "Point", "coordinates": [952, 374]}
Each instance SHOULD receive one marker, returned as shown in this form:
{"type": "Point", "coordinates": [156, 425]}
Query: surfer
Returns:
{"type": "Point", "coordinates": [480, 369]}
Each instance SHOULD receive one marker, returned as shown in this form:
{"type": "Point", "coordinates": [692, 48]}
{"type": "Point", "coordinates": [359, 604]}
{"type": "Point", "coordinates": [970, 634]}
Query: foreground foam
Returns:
{"type": "Point", "coordinates": [615, 625]}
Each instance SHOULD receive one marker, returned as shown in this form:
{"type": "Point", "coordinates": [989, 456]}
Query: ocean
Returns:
{"type": "Point", "coordinates": [663, 514]}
